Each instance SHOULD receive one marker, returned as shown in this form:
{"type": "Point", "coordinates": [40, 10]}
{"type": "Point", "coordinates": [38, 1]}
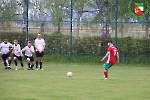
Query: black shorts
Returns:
{"type": "Point", "coordinates": [18, 57]}
{"type": "Point", "coordinates": [31, 58]}
{"type": "Point", "coordinates": [5, 56]}
{"type": "Point", "coordinates": [39, 54]}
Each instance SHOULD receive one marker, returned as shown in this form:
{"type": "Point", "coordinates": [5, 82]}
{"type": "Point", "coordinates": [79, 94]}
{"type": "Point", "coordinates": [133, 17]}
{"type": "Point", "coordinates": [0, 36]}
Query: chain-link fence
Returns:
{"type": "Point", "coordinates": [79, 28]}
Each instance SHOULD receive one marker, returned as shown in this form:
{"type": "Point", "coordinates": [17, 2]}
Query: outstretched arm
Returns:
{"type": "Point", "coordinates": [105, 56]}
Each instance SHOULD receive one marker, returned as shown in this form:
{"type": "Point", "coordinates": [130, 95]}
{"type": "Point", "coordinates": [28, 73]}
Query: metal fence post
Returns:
{"type": "Point", "coordinates": [27, 7]}
{"type": "Point", "coordinates": [71, 14]}
{"type": "Point", "coordinates": [116, 23]}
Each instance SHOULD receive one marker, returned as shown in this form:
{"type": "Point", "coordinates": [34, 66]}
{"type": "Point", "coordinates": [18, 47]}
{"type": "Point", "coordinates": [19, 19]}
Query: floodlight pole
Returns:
{"type": "Point", "coordinates": [71, 14]}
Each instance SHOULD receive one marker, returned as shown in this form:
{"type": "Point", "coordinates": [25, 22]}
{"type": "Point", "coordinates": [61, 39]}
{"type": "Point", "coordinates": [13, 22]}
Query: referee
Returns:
{"type": "Point", "coordinates": [40, 46]}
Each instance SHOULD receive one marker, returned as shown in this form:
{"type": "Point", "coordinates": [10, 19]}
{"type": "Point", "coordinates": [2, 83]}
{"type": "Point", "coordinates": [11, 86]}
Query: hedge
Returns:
{"type": "Point", "coordinates": [131, 50]}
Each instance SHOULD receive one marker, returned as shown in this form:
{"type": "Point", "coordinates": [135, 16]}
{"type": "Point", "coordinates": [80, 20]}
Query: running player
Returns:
{"type": "Point", "coordinates": [40, 46]}
{"type": "Point", "coordinates": [111, 55]}
{"type": "Point", "coordinates": [17, 54]}
{"type": "Point", "coordinates": [5, 53]}
{"type": "Point", "coordinates": [29, 51]}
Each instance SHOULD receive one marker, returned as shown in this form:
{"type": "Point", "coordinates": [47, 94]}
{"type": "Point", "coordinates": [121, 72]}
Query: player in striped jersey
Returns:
{"type": "Point", "coordinates": [111, 55]}
{"type": "Point", "coordinates": [5, 53]}
{"type": "Point", "coordinates": [17, 54]}
{"type": "Point", "coordinates": [29, 51]}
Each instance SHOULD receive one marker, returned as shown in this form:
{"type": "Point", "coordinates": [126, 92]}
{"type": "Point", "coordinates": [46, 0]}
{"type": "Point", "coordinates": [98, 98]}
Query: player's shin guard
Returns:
{"type": "Point", "coordinates": [40, 64]}
{"type": "Point", "coordinates": [29, 65]}
{"type": "Point", "coordinates": [21, 64]}
{"type": "Point", "coordinates": [9, 62]}
{"type": "Point", "coordinates": [36, 64]}
{"type": "Point", "coordinates": [5, 64]}
{"type": "Point", "coordinates": [32, 66]}
{"type": "Point", "coordinates": [15, 62]}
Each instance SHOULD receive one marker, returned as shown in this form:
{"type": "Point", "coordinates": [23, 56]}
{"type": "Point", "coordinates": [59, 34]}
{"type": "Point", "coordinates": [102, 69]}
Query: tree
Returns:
{"type": "Point", "coordinates": [42, 11]}
{"type": "Point", "coordinates": [106, 9]}
{"type": "Point", "coordinates": [127, 14]}
{"type": "Point", "coordinates": [39, 13]}
{"type": "Point", "coordinates": [59, 12]}
{"type": "Point", "coordinates": [103, 7]}
{"type": "Point", "coordinates": [80, 7]}
{"type": "Point", "coordinates": [7, 12]}
{"type": "Point", "coordinates": [147, 25]}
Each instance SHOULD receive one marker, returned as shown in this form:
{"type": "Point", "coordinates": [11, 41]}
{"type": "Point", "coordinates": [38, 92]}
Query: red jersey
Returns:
{"type": "Point", "coordinates": [111, 58]}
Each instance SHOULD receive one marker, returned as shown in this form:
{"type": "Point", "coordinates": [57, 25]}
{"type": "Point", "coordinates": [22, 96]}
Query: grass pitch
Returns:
{"type": "Point", "coordinates": [87, 83]}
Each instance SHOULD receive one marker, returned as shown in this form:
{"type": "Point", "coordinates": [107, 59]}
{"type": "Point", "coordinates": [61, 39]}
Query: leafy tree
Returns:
{"type": "Point", "coordinates": [7, 12]}
{"type": "Point", "coordinates": [107, 13]}
{"type": "Point", "coordinates": [147, 17]}
{"type": "Point", "coordinates": [59, 12]}
{"type": "Point", "coordinates": [80, 7]}
{"type": "Point", "coordinates": [102, 16]}
{"type": "Point", "coordinates": [125, 15]}
{"type": "Point", "coordinates": [54, 11]}
{"type": "Point", "coordinates": [39, 13]}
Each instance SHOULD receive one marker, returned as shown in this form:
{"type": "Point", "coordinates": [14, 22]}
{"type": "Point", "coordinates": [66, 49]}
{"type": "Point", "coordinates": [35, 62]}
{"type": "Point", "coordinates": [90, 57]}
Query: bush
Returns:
{"type": "Point", "coordinates": [90, 49]}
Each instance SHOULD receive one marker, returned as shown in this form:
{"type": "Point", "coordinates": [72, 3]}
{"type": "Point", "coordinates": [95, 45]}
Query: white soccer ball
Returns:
{"type": "Point", "coordinates": [69, 74]}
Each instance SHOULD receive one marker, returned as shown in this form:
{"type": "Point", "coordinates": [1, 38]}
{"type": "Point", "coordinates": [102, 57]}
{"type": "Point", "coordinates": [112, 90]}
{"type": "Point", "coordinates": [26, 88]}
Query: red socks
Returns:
{"type": "Point", "coordinates": [106, 74]}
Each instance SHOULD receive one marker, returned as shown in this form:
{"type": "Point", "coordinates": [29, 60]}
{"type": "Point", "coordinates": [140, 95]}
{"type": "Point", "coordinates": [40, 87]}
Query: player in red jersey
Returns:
{"type": "Point", "coordinates": [111, 55]}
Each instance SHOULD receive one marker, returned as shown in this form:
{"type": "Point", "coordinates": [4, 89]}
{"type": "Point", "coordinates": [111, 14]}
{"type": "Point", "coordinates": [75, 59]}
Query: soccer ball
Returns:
{"type": "Point", "coordinates": [69, 74]}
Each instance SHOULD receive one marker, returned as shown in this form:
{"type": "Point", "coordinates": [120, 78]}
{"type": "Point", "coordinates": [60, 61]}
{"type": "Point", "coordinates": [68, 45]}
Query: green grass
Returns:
{"type": "Point", "coordinates": [126, 82]}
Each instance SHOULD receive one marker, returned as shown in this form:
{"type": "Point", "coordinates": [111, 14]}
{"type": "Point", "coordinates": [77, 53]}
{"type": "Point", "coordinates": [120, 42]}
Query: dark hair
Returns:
{"type": "Point", "coordinates": [109, 41]}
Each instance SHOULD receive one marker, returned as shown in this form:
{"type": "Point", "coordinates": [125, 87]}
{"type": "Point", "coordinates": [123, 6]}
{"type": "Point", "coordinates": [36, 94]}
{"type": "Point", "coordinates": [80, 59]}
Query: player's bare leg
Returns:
{"type": "Point", "coordinates": [9, 62]}
{"type": "Point", "coordinates": [15, 61]}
